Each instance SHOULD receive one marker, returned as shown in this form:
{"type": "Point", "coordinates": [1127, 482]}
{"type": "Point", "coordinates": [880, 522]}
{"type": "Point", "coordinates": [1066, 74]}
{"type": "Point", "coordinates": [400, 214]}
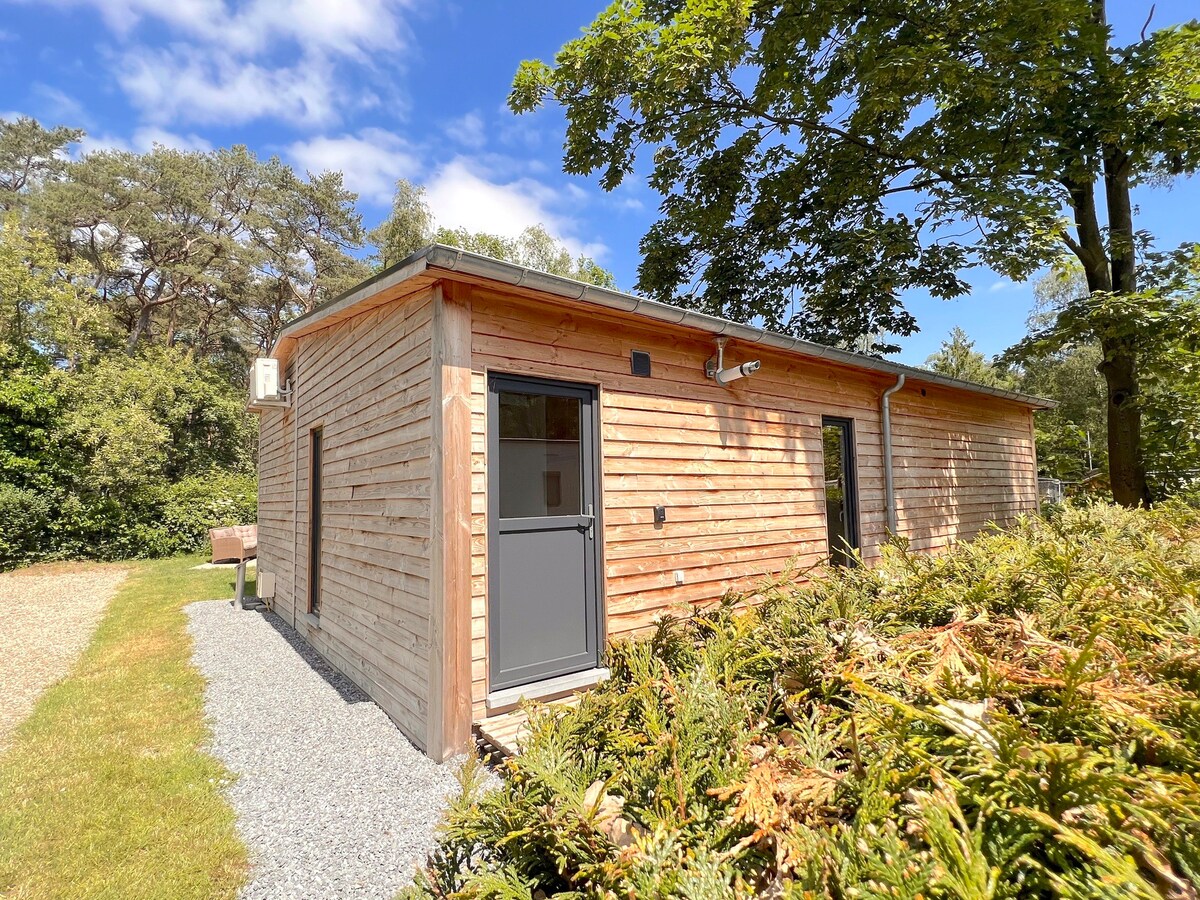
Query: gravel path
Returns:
{"type": "Point", "coordinates": [332, 800]}
{"type": "Point", "coordinates": [47, 616]}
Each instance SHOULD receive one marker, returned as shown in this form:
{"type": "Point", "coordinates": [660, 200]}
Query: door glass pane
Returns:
{"type": "Point", "coordinates": [837, 493]}
{"type": "Point", "coordinates": [540, 455]}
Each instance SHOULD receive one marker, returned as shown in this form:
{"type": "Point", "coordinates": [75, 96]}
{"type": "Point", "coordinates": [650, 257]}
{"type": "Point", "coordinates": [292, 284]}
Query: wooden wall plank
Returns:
{"type": "Point", "coordinates": [449, 725]}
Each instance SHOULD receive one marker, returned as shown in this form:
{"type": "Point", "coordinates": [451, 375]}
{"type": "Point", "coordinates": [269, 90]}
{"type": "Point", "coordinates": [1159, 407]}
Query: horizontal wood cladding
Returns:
{"type": "Point", "coordinates": [961, 463]}
{"type": "Point", "coordinates": [276, 504]}
{"type": "Point", "coordinates": [366, 381]}
{"type": "Point", "coordinates": [739, 469]}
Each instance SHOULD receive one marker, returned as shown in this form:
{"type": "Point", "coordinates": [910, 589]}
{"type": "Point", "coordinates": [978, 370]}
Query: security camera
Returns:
{"type": "Point", "coordinates": [715, 367]}
{"type": "Point", "coordinates": [733, 373]}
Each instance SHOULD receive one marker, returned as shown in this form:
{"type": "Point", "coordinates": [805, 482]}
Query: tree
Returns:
{"type": "Point", "coordinates": [29, 156]}
{"type": "Point", "coordinates": [535, 248]}
{"type": "Point", "coordinates": [194, 243]}
{"type": "Point", "coordinates": [808, 149]}
{"type": "Point", "coordinates": [958, 358]}
{"type": "Point", "coordinates": [132, 289]}
{"type": "Point", "coordinates": [45, 304]}
{"type": "Point", "coordinates": [407, 229]}
{"type": "Point", "coordinates": [412, 226]}
{"type": "Point", "coordinates": [155, 418]}
{"type": "Point", "coordinates": [1071, 438]}
{"type": "Point", "coordinates": [308, 232]}
{"type": "Point", "coordinates": [1062, 356]}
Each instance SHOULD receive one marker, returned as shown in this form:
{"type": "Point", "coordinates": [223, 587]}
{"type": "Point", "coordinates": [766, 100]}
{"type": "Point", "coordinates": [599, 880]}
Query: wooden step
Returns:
{"type": "Point", "coordinates": [505, 732]}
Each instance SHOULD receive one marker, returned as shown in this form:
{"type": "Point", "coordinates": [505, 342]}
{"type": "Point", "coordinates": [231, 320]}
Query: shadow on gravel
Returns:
{"type": "Point", "coordinates": [347, 689]}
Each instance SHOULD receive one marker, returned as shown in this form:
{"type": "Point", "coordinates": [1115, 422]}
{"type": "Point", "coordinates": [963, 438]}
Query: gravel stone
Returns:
{"type": "Point", "coordinates": [332, 800]}
{"type": "Point", "coordinates": [47, 616]}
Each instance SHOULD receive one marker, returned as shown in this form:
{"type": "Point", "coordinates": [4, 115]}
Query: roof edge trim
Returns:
{"type": "Point", "coordinates": [455, 259]}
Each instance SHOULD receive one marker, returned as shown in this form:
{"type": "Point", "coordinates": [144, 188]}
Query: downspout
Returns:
{"type": "Point", "coordinates": [889, 486]}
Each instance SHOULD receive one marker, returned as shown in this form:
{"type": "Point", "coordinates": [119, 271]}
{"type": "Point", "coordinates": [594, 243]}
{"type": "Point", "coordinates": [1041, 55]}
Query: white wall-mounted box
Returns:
{"type": "Point", "coordinates": [265, 389]}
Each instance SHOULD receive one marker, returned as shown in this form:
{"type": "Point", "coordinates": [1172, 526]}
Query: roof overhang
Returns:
{"type": "Point", "coordinates": [438, 261]}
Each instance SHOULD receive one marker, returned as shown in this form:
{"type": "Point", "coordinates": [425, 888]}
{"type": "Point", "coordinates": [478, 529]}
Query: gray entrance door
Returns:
{"type": "Point", "coordinates": [543, 556]}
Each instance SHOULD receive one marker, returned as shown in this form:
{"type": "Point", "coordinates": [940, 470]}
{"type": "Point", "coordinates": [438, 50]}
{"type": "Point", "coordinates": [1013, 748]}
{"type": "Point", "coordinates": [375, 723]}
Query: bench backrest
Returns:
{"type": "Point", "coordinates": [247, 533]}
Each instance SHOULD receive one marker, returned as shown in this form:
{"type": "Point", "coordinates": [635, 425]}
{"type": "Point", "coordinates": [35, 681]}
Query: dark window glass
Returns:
{"type": "Point", "coordinates": [840, 500]}
{"type": "Point", "coordinates": [540, 456]}
{"type": "Point", "coordinates": [315, 454]}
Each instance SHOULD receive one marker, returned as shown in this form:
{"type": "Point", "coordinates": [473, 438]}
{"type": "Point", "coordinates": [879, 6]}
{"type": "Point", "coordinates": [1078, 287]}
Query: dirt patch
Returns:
{"type": "Point", "coordinates": [47, 616]}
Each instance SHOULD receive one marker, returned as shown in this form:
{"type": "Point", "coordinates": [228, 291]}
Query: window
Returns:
{"type": "Point", "coordinates": [841, 489]}
{"type": "Point", "coordinates": [315, 452]}
{"type": "Point", "coordinates": [540, 455]}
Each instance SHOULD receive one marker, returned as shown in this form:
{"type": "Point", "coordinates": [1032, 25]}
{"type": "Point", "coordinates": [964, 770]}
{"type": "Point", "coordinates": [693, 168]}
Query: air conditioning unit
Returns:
{"type": "Point", "coordinates": [265, 389]}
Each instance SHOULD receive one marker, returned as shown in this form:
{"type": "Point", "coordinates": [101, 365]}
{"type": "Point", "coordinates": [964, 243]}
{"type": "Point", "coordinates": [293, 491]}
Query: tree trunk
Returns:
{"type": "Point", "coordinates": [1126, 462]}
{"type": "Point", "coordinates": [140, 327]}
{"type": "Point", "coordinates": [1126, 466]}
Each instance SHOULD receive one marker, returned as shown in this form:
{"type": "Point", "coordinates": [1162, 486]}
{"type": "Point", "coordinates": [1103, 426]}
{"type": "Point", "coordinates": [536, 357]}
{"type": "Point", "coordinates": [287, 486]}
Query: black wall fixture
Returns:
{"type": "Point", "coordinates": [639, 363]}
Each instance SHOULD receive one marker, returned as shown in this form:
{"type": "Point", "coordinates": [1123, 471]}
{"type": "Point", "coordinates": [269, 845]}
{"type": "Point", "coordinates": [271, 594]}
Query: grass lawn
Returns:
{"type": "Point", "coordinates": [105, 790]}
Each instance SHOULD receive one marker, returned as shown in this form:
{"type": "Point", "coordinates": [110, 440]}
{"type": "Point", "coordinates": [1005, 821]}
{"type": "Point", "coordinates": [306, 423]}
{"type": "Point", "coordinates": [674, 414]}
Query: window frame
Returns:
{"type": "Point", "coordinates": [851, 497]}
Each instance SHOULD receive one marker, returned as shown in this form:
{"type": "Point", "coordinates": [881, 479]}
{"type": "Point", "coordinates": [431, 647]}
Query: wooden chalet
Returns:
{"type": "Point", "coordinates": [478, 474]}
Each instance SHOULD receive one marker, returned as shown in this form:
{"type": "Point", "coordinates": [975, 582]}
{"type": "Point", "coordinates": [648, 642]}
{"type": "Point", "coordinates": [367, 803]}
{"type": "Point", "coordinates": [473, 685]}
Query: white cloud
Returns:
{"type": "Point", "coordinates": [122, 16]}
{"type": "Point", "coordinates": [1003, 285]}
{"type": "Point", "coordinates": [146, 137]}
{"type": "Point", "coordinates": [520, 132]}
{"type": "Point", "coordinates": [462, 195]}
{"type": "Point", "coordinates": [241, 60]}
{"type": "Point", "coordinates": [371, 160]}
{"type": "Point", "coordinates": [345, 27]}
{"type": "Point", "coordinates": [186, 84]}
{"type": "Point", "coordinates": [143, 139]}
{"type": "Point", "coordinates": [467, 130]}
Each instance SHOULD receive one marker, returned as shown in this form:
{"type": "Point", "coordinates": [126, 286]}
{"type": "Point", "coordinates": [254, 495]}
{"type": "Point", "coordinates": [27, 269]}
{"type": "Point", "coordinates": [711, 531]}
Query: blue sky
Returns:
{"type": "Point", "coordinates": [384, 89]}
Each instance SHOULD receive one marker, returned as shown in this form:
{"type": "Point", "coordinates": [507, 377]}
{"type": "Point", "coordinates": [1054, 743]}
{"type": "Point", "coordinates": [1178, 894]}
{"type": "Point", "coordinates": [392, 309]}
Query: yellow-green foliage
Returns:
{"type": "Point", "coordinates": [106, 790]}
{"type": "Point", "coordinates": [1017, 718]}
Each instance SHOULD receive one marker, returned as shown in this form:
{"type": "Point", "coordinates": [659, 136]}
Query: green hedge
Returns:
{"type": "Point", "coordinates": [24, 526]}
{"type": "Point", "coordinates": [200, 502]}
{"type": "Point", "coordinates": [146, 523]}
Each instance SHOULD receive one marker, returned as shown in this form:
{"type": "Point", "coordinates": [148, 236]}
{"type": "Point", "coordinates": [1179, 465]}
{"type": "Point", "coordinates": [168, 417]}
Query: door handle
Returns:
{"type": "Point", "coordinates": [590, 528]}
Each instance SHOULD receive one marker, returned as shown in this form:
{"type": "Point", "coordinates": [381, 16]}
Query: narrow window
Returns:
{"type": "Point", "coordinates": [841, 489]}
{"type": "Point", "coordinates": [315, 451]}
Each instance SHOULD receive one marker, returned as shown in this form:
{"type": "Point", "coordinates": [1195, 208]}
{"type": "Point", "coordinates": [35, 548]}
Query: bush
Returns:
{"type": "Point", "coordinates": [1017, 718]}
{"type": "Point", "coordinates": [142, 524]}
{"type": "Point", "coordinates": [194, 505]}
{"type": "Point", "coordinates": [130, 456]}
{"type": "Point", "coordinates": [24, 517]}
{"type": "Point", "coordinates": [156, 521]}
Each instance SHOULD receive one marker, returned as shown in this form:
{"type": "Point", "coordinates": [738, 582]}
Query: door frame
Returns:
{"type": "Point", "coordinates": [850, 471]}
{"type": "Point", "coordinates": [590, 453]}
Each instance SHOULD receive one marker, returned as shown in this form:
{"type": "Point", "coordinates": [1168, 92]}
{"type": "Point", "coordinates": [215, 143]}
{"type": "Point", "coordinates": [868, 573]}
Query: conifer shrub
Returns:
{"type": "Point", "coordinates": [1019, 717]}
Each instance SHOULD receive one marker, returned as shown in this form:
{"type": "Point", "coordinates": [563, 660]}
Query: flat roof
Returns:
{"type": "Point", "coordinates": [453, 259]}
